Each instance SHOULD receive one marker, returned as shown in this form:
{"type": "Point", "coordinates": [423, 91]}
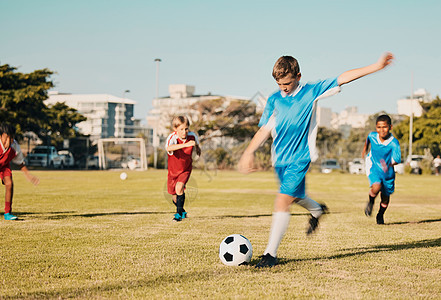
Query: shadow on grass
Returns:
{"type": "Point", "coordinates": [416, 222]}
{"type": "Point", "coordinates": [255, 216]}
{"type": "Point", "coordinates": [374, 249]}
{"type": "Point", "coordinates": [71, 214]}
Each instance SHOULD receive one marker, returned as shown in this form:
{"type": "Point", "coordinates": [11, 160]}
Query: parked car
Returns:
{"type": "Point", "coordinates": [131, 163]}
{"type": "Point", "coordinates": [68, 159]}
{"type": "Point", "coordinates": [45, 156]}
{"type": "Point", "coordinates": [399, 168]}
{"type": "Point", "coordinates": [329, 165]}
{"type": "Point", "coordinates": [414, 161]}
{"type": "Point", "coordinates": [93, 162]}
{"type": "Point", "coordinates": [356, 166]}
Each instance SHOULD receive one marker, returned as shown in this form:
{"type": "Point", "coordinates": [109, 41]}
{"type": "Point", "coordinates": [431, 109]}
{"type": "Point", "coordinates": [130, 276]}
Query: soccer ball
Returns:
{"type": "Point", "coordinates": [123, 176]}
{"type": "Point", "coordinates": [235, 250]}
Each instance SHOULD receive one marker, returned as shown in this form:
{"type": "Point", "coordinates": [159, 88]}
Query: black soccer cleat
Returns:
{"type": "Point", "coordinates": [368, 209]}
{"type": "Point", "coordinates": [267, 261]}
{"type": "Point", "coordinates": [380, 219]}
{"type": "Point", "coordinates": [313, 221]}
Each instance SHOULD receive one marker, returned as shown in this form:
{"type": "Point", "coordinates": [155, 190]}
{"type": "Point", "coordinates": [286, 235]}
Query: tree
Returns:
{"type": "Point", "coordinates": [426, 129]}
{"type": "Point", "coordinates": [222, 118]}
{"type": "Point", "coordinates": [22, 103]}
{"type": "Point", "coordinates": [22, 96]}
{"type": "Point", "coordinates": [61, 121]}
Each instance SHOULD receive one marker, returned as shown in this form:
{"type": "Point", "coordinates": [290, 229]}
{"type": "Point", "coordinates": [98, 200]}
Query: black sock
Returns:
{"type": "Point", "coordinates": [382, 209]}
{"type": "Point", "coordinates": [180, 199]}
{"type": "Point", "coordinates": [371, 199]}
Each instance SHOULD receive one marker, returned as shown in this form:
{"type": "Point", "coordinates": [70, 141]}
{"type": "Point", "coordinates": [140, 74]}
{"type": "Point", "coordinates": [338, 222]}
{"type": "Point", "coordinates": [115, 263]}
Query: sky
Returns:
{"type": "Point", "coordinates": [224, 47]}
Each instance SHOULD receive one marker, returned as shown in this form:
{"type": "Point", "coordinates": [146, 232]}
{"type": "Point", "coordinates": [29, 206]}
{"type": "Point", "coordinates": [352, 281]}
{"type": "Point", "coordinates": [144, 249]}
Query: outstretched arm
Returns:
{"type": "Point", "coordinates": [175, 147]}
{"type": "Point", "coordinates": [246, 162]}
{"type": "Point", "coordinates": [34, 180]}
{"type": "Point", "coordinates": [351, 75]}
{"type": "Point", "coordinates": [365, 148]}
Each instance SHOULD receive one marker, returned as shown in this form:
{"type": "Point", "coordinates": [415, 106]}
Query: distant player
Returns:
{"type": "Point", "coordinates": [179, 146]}
{"type": "Point", "coordinates": [289, 115]}
{"type": "Point", "coordinates": [385, 152]}
{"type": "Point", "coordinates": [10, 152]}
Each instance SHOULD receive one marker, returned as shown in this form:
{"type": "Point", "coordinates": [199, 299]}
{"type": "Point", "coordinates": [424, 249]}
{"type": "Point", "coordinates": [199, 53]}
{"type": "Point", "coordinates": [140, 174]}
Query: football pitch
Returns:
{"type": "Point", "coordinates": [92, 235]}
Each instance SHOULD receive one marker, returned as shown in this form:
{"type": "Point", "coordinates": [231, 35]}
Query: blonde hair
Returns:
{"type": "Point", "coordinates": [179, 120]}
{"type": "Point", "coordinates": [284, 66]}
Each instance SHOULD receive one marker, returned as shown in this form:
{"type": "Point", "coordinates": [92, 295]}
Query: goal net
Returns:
{"type": "Point", "coordinates": [122, 153]}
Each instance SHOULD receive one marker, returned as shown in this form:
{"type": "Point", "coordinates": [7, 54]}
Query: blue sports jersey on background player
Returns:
{"type": "Point", "coordinates": [384, 153]}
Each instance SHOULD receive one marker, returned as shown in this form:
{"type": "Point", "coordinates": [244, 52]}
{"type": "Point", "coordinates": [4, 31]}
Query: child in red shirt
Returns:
{"type": "Point", "coordinates": [10, 152]}
{"type": "Point", "coordinates": [179, 146]}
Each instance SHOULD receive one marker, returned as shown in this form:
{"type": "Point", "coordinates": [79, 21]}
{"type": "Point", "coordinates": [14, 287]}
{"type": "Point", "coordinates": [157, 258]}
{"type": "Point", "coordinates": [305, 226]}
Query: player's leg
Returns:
{"type": "Point", "coordinates": [180, 198]}
{"type": "Point", "coordinates": [373, 192]}
{"type": "Point", "coordinates": [383, 206]}
{"type": "Point", "coordinates": [387, 189]}
{"type": "Point", "coordinates": [171, 189]}
{"type": "Point", "coordinates": [316, 209]}
{"type": "Point", "coordinates": [279, 225]}
{"type": "Point", "coordinates": [9, 193]}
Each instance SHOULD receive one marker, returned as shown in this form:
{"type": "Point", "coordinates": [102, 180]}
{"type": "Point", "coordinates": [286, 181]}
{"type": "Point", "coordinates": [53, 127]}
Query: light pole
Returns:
{"type": "Point", "coordinates": [155, 129]}
{"type": "Point", "coordinates": [411, 122]}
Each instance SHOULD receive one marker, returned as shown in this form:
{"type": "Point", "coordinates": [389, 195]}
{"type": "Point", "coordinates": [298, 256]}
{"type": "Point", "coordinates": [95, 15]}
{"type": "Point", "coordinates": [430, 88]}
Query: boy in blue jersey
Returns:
{"type": "Point", "coordinates": [385, 152]}
{"type": "Point", "coordinates": [289, 115]}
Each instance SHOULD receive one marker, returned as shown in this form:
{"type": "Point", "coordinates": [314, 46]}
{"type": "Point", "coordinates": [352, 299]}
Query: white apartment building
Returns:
{"type": "Point", "coordinates": [107, 115]}
{"type": "Point", "coordinates": [180, 102]}
{"type": "Point", "coordinates": [349, 117]}
{"type": "Point", "coordinates": [412, 104]}
{"type": "Point", "coordinates": [324, 116]}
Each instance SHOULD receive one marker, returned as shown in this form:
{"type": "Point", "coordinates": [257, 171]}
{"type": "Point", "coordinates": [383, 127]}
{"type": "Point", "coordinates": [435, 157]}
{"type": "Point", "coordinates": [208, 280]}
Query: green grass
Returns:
{"type": "Point", "coordinates": [91, 235]}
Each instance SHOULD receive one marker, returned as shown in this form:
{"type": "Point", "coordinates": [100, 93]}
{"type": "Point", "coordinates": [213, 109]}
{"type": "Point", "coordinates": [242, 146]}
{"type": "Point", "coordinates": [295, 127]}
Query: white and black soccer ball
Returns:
{"type": "Point", "coordinates": [235, 250]}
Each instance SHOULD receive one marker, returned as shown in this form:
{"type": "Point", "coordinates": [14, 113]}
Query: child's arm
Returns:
{"type": "Point", "coordinates": [34, 180]}
{"type": "Point", "coordinates": [246, 162]}
{"type": "Point", "coordinates": [366, 145]}
{"type": "Point", "coordinates": [351, 75]}
{"type": "Point", "coordinates": [198, 150]}
{"type": "Point", "coordinates": [175, 147]}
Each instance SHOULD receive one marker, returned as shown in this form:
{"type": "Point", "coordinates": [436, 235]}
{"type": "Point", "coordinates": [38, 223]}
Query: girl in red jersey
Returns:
{"type": "Point", "coordinates": [10, 152]}
{"type": "Point", "coordinates": [179, 146]}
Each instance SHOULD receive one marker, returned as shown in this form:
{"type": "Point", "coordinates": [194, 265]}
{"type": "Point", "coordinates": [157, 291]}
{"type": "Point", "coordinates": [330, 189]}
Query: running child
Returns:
{"type": "Point", "coordinates": [289, 115]}
{"type": "Point", "coordinates": [10, 152]}
{"type": "Point", "coordinates": [384, 153]}
{"type": "Point", "coordinates": [179, 146]}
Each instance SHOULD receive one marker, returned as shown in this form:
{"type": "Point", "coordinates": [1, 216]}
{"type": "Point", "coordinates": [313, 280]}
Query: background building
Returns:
{"type": "Point", "coordinates": [107, 115]}
{"type": "Point", "coordinates": [412, 104]}
{"type": "Point", "coordinates": [180, 102]}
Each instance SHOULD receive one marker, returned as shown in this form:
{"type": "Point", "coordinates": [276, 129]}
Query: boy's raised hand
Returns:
{"type": "Point", "coordinates": [385, 60]}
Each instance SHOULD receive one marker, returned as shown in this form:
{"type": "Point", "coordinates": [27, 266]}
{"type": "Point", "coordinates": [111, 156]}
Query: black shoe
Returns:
{"type": "Point", "coordinates": [368, 209]}
{"type": "Point", "coordinates": [313, 221]}
{"type": "Point", "coordinates": [267, 261]}
{"type": "Point", "coordinates": [380, 219]}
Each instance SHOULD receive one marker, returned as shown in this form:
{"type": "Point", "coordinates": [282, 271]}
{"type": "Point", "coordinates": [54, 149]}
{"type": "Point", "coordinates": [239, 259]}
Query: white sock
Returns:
{"type": "Point", "coordinates": [278, 228]}
{"type": "Point", "coordinates": [313, 207]}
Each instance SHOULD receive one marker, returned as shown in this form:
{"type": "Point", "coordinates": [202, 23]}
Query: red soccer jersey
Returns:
{"type": "Point", "coordinates": [14, 154]}
{"type": "Point", "coordinates": [180, 161]}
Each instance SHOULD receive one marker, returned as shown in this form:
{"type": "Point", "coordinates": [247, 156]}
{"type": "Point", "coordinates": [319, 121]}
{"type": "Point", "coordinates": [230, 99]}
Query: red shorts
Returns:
{"type": "Point", "coordinates": [171, 182]}
{"type": "Point", "coordinates": [5, 171]}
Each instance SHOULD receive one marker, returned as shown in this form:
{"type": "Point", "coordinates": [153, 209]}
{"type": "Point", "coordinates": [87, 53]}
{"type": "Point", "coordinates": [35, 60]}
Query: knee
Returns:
{"type": "Point", "coordinates": [9, 185]}
{"type": "Point", "coordinates": [179, 188]}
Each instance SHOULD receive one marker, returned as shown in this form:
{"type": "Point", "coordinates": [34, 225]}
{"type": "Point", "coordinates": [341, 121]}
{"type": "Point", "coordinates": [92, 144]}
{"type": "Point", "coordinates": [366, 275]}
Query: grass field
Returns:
{"type": "Point", "coordinates": [91, 235]}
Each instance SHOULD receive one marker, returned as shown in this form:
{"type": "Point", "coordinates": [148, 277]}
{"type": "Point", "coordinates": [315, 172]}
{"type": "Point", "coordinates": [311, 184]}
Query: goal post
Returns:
{"type": "Point", "coordinates": [127, 153]}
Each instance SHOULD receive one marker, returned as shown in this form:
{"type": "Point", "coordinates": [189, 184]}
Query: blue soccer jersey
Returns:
{"type": "Point", "coordinates": [379, 161]}
{"type": "Point", "coordinates": [292, 122]}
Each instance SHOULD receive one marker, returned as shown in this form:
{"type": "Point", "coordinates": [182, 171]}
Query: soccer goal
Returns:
{"type": "Point", "coordinates": [122, 153]}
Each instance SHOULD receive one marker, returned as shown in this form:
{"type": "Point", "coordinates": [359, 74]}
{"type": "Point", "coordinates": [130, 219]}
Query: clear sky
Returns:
{"type": "Point", "coordinates": [224, 47]}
